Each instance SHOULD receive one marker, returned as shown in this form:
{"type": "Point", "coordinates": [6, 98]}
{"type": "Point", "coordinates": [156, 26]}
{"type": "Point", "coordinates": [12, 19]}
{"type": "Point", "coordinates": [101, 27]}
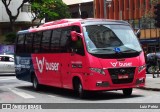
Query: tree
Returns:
{"type": "Point", "coordinates": [62, 9]}
{"type": "Point", "coordinates": [49, 9]}
{"type": "Point", "coordinates": [148, 14]}
{"type": "Point", "coordinates": [12, 17]}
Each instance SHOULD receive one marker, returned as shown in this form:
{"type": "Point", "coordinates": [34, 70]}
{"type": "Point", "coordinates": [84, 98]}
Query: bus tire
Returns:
{"type": "Point", "coordinates": [78, 88]}
{"type": "Point", "coordinates": [36, 84]}
{"type": "Point", "coordinates": [127, 92]}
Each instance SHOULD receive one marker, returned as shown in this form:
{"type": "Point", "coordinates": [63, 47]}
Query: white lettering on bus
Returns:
{"type": "Point", "coordinates": [49, 65]}
{"type": "Point", "coordinates": [52, 66]}
{"type": "Point", "coordinates": [121, 64]}
{"type": "Point", "coordinates": [40, 64]}
{"type": "Point", "coordinates": [114, 64]}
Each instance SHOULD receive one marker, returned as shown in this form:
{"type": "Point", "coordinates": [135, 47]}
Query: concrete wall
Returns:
{"type": "Point", "coordinates": [71, 2]}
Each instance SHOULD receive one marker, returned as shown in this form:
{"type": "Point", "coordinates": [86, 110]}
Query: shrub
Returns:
{"type": "Point", "coordinates": [10, 38]}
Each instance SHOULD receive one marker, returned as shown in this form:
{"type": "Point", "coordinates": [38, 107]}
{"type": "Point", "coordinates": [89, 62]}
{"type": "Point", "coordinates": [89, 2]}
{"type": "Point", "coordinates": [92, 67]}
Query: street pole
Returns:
{"type": "Point", "coordinates": [159, 40]}
{"type": "Point", "coordinates": [105, 12]}
{"type": "Point", "coordinates": [80, 10]}
{"type": "Point", "coordinates": [120, 11]}
{"type": "Point", "coordinates": [107, 3]}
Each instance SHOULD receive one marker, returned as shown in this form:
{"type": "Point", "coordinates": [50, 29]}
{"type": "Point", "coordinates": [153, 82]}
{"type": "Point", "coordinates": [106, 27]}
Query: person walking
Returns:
{"type": "Point", "coordinates": [155, 64]}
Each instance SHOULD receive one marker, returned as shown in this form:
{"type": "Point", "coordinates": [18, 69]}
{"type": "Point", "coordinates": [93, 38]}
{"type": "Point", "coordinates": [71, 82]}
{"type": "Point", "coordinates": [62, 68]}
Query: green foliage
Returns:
{"type": "Point", "coordinates": [62, 9]}
{"type": "Point", "coordinates": [10, 38]}
{"type": "Point", "coordinates": [52, 9]}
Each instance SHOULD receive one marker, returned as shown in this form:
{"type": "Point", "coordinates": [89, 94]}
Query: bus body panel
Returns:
{"type": "Point", "coordinates": [106, 64]}
{"type": "Point", "coordinates": [57, 69]}
{"type": "Point", "coordinates": [23, 67]}
{"type": "Point", "coordinates": [95, 73]}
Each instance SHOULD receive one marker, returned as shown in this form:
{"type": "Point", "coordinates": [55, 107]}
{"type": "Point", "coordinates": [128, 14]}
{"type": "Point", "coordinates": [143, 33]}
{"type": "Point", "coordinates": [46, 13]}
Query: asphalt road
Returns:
{"type": "Point", "coordinates": [16, 91]}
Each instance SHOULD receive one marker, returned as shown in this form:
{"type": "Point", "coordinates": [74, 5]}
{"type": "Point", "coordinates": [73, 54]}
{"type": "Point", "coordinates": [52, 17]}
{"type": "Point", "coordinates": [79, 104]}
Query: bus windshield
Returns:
{"type": "Point", "coordinates": [109, 39]}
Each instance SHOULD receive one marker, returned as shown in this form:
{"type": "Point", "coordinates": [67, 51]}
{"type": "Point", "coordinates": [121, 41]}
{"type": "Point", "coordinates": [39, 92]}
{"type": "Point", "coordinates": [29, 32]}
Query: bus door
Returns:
{"type": "Point", "coordinates": [71, 60]}
{"type": "Point", "coordinates": [65, 56]}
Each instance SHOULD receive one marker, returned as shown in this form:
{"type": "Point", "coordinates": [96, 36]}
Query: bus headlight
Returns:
{"type": "Point", "coordinates": [100, 71]}
{"type": "Point", "coordinates": [141, 68]}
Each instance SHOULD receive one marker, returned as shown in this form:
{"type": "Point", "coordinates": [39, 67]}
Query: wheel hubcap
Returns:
{"type": "Point", "coordinates": [80, 88]}
{"type": "Point", "coordinates": [35, 83]}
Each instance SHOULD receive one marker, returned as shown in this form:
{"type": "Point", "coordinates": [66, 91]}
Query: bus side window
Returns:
{"type": "Point", "coordinates": [78, 46]}
{"type": "Point", "coordinates": [37, 42]}
{"type": "Point", "coordinates": [65, 40]}
{"type": "Point", "coordinates": [76, 28]}
{"type": "Point", "coordinates": [46, 41]}
{"type": "Point", "coordinates": [28, 42]}
{"type": "Point", "coordinates": [55, 41]}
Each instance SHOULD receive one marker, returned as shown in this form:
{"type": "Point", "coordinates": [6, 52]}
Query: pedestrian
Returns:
{"type": "Point", "coordinates": [155, 65]}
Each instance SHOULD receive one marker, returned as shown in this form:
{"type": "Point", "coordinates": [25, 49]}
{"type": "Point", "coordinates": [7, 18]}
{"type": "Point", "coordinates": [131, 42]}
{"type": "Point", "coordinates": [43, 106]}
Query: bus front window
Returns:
{"type": "Point", "coordinates": [103, 39]}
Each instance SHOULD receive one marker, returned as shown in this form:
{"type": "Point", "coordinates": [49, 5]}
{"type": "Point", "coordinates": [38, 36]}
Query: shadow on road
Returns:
{"type": "Point", "coordinates": [65, 93]}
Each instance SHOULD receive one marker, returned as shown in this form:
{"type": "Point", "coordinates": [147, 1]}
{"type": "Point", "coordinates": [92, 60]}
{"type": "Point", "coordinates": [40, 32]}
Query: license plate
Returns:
{"type": "Point", "coordinates": [123, 77]}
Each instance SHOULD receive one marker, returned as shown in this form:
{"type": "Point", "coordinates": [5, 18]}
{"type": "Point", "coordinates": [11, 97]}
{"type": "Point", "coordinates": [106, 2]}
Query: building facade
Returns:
{"type": "Point", "coordinates": [80, 8]}
{"type": "Point", "coordinates": [139, 13]}
{"type": "Point", "coordinates": [24, 17]}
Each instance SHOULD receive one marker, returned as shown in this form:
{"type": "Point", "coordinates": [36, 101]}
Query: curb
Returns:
{"type": "Point", "coordinates": [151, 89]}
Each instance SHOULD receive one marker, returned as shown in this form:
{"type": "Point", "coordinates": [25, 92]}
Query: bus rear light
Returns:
{"type": "Point", "coordinates": [100, 71]}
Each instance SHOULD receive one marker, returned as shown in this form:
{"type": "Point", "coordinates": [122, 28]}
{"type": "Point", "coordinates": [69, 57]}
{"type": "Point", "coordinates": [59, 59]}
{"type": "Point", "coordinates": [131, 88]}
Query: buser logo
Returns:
{"type": "Point", "coordinates": [121, 64]}
{"type": "Point", "coordinates": [40, 64]}
{"type": "Point", "coordinates": [48, 65]}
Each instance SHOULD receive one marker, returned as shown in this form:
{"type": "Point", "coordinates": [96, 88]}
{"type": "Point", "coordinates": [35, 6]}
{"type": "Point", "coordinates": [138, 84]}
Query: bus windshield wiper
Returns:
{"type": "Point", "coordinates": [129, 51]}
{"type": "Point", "coordinates": [95, 49]}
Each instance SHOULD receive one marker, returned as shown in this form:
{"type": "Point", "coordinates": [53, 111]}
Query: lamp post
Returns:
{"type": "Point", "coordinates": [107, 3]}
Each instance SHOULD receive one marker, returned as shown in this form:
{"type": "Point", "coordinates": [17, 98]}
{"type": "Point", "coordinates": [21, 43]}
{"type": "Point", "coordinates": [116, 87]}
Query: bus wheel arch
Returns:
{"type": "Point", "coordinates": [78, 87]}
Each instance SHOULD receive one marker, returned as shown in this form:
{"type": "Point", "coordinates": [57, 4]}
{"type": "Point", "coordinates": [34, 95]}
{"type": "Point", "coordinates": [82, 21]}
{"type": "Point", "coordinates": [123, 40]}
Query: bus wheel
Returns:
{"type": "Point", "coordinates": [36, 84]}
{"type": "Point", "coordinates": [79, 89]}
{"type": "Point", "coordinates": [127, 92]}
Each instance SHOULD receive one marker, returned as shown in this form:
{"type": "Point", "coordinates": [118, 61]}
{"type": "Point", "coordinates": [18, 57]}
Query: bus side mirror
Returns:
{"type": "Point", "coordinates": [138, 33]}
{"type": "Point", "coordinates": [74, 36]}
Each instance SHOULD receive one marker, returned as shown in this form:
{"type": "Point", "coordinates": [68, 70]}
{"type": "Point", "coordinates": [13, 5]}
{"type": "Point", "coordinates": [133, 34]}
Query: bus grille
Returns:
{"type": "Point", "coordinates": [115, 72]}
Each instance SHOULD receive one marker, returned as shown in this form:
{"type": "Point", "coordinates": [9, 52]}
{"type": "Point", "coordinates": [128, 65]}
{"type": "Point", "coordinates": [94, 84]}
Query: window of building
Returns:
{"type": "Point", "coordinates": [75, 15]}
{"type": "Point", "coordinates": [26, 8]}
{"type": "Point", "coordinates": [84, 14]}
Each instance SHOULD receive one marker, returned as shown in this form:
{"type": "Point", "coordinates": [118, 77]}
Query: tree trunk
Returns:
{"type": "Point", "coordinates": [12, 23]}
{"type": "Point", "coordinates": [13, 27]}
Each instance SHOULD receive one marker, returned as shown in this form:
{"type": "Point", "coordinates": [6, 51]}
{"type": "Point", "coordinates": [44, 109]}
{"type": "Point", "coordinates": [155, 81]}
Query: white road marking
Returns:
{"type": "Point", "coordinates": [7, 78]}
{"type": "Point", "coordinates": [51, 96]}
{"type": "Point", "coordinates": [22, 94]}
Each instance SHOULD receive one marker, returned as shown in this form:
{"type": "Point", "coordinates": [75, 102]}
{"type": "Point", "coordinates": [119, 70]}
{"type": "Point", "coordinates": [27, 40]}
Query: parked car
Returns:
{"type": "Point", "coordinates": [7, 64]}
{"type": "Point", "coordinates": [149, 62]}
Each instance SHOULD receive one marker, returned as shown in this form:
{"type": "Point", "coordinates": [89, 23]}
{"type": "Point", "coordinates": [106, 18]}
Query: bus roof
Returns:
{"type": "Point", "coordinates": [68, 22]}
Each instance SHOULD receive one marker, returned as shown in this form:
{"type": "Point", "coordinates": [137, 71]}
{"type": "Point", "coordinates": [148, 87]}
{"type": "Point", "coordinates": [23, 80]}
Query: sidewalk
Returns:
{"type": "Point", "coordinates": [152, 84]}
